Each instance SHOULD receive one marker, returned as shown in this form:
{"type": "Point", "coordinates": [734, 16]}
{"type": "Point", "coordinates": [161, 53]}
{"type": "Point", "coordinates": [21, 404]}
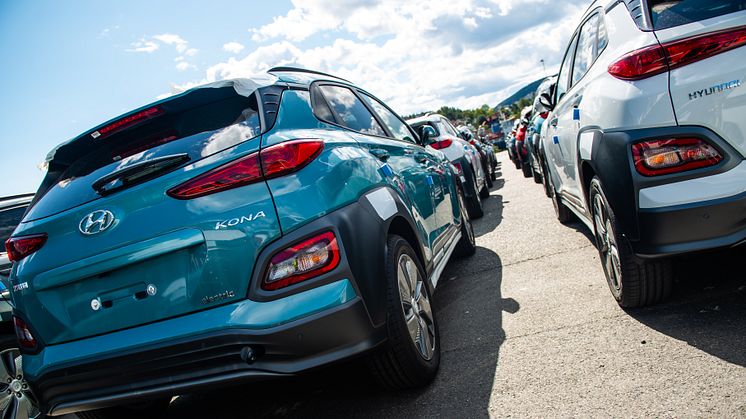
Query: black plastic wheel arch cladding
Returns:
{"type": "Point", "coordinates": [611, 162]}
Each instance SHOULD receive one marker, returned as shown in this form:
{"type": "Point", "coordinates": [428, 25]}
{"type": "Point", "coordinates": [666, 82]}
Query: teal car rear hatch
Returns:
{"type": "Point", "coordinates": [119, 251]}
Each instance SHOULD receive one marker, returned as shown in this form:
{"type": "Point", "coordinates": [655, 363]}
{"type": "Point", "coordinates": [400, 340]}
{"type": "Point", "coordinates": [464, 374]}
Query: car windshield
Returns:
{"type": "Point", "coordinates": [668, 14]}
{"type": "Point", "coordinates": [9, 219]}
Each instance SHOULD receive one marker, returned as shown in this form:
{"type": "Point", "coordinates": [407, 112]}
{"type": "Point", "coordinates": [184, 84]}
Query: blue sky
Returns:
{"type": "Point", "coordinates": [69, 66]}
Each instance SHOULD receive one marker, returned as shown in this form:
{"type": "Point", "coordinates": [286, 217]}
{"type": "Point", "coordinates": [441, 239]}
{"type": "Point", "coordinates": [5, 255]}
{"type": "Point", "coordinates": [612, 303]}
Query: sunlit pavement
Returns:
{"type": "Point", "coordinates": [529, 328]}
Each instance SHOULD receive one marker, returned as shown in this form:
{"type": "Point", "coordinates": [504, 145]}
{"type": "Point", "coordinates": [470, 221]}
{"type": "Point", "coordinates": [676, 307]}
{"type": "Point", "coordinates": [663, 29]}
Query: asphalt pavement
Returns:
{"type": "Point", "coordinates": [529, 329]}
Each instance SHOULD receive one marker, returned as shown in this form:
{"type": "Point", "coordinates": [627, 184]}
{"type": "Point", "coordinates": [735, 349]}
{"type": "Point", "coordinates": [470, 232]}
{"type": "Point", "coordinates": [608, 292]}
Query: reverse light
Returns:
{"type": "Point", "coordinates": [271, 162]}
{"type": "Point", "coordinates": [302, 261]}
{"type": "Point", "coordinates": [656, 59]}
{"type": "Point", "coordinates": [23, 333]}
{"type": "Point", "coordinates": [22, 246]}
{"type": "Point", "coordinates": [662, 157]}
{"type": "Point", "coordinates": [439, 145]}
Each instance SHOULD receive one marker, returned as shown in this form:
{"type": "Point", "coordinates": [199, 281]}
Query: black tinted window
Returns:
{"type": "Point", "coordinates": [397, 127]}
{"type": "Point", "coordinates": [587, 50]}
{"type": "Point", "coordinates": [349, 110]}
{"type": "Point", "coordinates": [9, 220]}
{"type": "Point", "coordinates": [667, 14]}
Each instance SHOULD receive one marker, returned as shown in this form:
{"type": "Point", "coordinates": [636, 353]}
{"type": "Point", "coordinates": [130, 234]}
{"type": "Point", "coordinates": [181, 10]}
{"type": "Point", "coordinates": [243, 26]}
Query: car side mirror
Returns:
{"type": "Point", "coordinates": [427, 133]}
{"type": "Point", "coordinates": [546, 101]}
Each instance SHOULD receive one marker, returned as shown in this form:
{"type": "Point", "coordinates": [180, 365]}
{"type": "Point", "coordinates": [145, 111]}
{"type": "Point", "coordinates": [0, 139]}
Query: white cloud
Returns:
{"type": "Point", "coordinates": [184, 66]}
{"type": "Point", "coordinates": [416, 55]}
{"type": "Point", "coordinates": [143, 46]}
{"type": "Point", "coordinates": [233, 47]}
{"type": "Point", "coordinates": [172, 39]}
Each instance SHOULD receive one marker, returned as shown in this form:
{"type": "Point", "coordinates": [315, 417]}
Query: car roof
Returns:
{"type": "Point", "coordinates": [15, 200]}
{"type": "Point", "coordinates": [431, 117]}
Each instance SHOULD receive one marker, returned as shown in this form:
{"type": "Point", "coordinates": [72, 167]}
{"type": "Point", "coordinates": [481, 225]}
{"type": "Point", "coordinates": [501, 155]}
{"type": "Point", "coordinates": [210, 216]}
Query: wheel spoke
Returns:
{"type": "Point", "coordinates": [426, 311]}
{"type": "Point", "coordinates": [413, 325]}
{"type": "Point", "coordinates": [12, 411]}
{"type": "Point", "coordinates": [5, 400]}
{"type": "Point", "coordinates": [412, 276]}
{"type": "Point", "coordinates": [405, 290]}
{"type": "Point", "coordinates": [24, 408]}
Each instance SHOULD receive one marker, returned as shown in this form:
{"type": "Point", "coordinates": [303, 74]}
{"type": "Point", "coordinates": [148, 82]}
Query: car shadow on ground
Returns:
{"type": "Point", "coordinates": [492, 207]}
{"type": "Point", "coordinates": [469, 309]}
{"type": "Point", "coordinates": [708, 308]}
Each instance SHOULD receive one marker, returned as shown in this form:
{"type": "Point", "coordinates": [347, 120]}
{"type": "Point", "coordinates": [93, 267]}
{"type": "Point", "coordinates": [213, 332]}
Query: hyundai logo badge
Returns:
{"type": "Point", "coordinates": [96, 222]}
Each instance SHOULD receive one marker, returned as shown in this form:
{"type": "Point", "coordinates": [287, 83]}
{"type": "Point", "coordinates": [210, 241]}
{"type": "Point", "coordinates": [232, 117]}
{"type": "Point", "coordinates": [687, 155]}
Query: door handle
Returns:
{"type": "Point", "coordinates": [420, 157]}
{"type": "Point", "coordinates": [380, 154]}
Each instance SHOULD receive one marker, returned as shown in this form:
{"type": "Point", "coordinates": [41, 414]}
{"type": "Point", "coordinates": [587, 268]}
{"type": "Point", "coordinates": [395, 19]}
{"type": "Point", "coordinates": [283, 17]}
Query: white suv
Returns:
{"type": "Point", "coordinates": [647, 137]}
{"type": "Point", "coordinates": [464, 157]}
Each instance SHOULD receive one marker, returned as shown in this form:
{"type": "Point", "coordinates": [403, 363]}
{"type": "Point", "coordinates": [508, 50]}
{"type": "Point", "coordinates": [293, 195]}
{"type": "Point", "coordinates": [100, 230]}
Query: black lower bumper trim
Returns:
{"type": "Point", "coordinates": [174, 368]}
{"type": "Point", "coordinates": [693, 227]}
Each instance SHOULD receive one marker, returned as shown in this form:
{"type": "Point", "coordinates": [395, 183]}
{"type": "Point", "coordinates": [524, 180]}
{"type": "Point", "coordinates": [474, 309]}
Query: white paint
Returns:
{"type": "Point", "coordinates": [586, 145]}
{"type": "Point", "coordinates": [382, 202]}
{"type": "Point", "coordinates": [723, 185]}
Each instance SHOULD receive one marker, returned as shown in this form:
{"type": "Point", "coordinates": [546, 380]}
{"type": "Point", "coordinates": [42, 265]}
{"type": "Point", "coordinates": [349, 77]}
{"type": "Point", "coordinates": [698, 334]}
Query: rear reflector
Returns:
{"type": "Point", "coordinates": [302, 261]}
{"type": "Point", "coordinates": [662, 157]}
{"type": "Point", "coordinates": [657, 59]}
{"type": "Point", "coordinates": [20, 247]}
{"type": "Point", "coordinates": [23, 333]}
{"type": "Point", "coordinates": [271, 162]}
{"type": "Point", "coordinates": [439, 145]}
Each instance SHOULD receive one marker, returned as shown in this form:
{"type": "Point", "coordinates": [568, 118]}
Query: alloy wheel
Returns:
{"type": "Point", "coordinates": [607, 244]}
{"type": "Point", "coordinates": [418, 314]}
{"type": "Point", "coordinates": [16, 399]}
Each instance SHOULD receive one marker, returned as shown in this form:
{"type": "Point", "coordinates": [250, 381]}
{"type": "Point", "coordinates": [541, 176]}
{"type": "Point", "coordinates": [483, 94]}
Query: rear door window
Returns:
{"type": "Point", "coordinates": [668, 14]}
{"type": "Point", "coordinates": [587, 50]}
{"type": "Point", "coordinates": [397, 127]}
{"type": "Point", "coordinates": [349, 111]}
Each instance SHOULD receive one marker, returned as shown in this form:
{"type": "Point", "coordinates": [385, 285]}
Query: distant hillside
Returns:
{"type": "Point", "coordinates": [525, 91]}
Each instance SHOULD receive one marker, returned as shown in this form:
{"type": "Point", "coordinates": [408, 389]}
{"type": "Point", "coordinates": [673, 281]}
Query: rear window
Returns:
{"type": "Point", "coordinates": [9, 220]}
{"type": "Point", "coordinates": [668, 14]}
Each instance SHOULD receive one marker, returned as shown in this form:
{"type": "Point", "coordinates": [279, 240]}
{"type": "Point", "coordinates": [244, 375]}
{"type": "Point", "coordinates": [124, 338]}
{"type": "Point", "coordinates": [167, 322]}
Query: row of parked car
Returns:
{"type": "Point", "coordinates": [642, 137]}
{"type": "Point", "coordinates": [240, 231]}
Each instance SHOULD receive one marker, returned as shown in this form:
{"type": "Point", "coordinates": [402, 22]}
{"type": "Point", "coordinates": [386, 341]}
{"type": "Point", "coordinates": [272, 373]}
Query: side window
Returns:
{"type": "Point", "coordinates": [587, 48]}
{"type": "Point", "coordinates": [349, 111]}
{"type": "Point", "coordinates": [563, 80]}
{"type": "Point", "coordinates": [398, 128]}
{"type": "Point", "coordinates": [447, 128]}
{"type": "Point", "coordinates": [603, 36]}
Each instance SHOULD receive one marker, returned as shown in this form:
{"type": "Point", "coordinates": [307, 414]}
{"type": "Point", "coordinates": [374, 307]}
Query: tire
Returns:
{"type": "Point", "coordinates": [633, 282]}
{"type": "Point", "coordinates": [145, 410]}
{"type": "Point", "coordinates": [545, 180]}
{"type": "Point", "coordinates": [408, 359]}
{"type": "Point", "coordinates": [467, 244]}
{"type": "Point", "coordinates": [537, 176]}
{"type": "Point", "coordinates": [474, 204]}
{"type": "Point", "coordinates": [526, 168]}
{"type": "Point", "coordinates": [517, 164]}
{"type": "Point", "coordinates": [487, 179]}
{"type": "Point", "coordinates": [564, 215]}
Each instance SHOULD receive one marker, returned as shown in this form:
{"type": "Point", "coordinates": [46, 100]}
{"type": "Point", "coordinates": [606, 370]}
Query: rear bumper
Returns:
{"type": "Point", "coordinates": [692, 227]}
{"type": "Point", "coordinates": [176, 365]}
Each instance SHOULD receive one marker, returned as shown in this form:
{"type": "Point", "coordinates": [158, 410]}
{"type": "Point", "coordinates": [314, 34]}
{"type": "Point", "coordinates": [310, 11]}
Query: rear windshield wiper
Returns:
{"type": "Point", "coordinates": [137, 173]}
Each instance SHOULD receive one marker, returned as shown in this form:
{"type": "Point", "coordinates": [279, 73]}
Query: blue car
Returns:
{"type": "Point", "coordinates": [240, 231]}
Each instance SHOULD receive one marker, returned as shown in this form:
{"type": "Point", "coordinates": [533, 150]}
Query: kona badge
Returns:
{"type": "Point", "coordinates": [96, 222]}
{"type": "Point", "coordinates": [236, 221]}
{"type": "Point", "coordinates": [718, 88]}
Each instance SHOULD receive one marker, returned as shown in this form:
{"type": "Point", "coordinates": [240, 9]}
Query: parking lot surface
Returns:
{"type": "Point", "coordinates": [529, 329]}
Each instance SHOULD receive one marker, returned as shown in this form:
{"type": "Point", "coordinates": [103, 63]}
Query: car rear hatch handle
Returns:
{"type": "Point", "coordinates": [137, 173]}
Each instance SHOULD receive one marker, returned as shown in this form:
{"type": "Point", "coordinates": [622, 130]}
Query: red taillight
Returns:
{"type": "Point", "coordinates": [305, 260]}
{"type": "Point", "coordinates": [271, 162]}
{"type": "Point", "coordinates": [439, 145]}
{"type": "Point", "coordinates": [662, 157]}
{"type": "Point", "coordinates": [458, 167]}
{"type": "Point", "coordinates": [657, 59]}
{"type": "Point", "coordinates": [22, 246]}
{"type": "Point", "coordinates": [23, 333]}
{"type": "Point", "coordinates": [127, 121]}
{"type": "Point", "coordinates": [288, 157]}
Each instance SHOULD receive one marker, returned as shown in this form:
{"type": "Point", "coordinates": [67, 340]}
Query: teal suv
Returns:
{"type": "Point", "coordinates": [242, 230]}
